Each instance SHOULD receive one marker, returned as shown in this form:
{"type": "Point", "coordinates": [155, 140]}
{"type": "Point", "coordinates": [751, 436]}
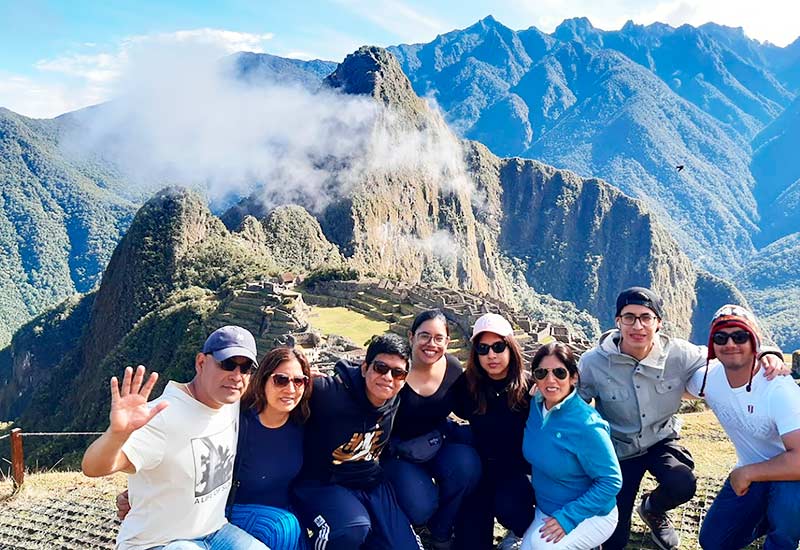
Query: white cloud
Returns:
{"type": "Point", "coordinates": [88, 79]}
{"type": "Point", "coordinates": [179, 117]}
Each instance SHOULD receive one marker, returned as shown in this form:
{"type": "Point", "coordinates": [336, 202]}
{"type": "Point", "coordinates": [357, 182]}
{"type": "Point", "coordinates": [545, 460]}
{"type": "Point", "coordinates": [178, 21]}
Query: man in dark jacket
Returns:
{"type": "Point", "coordinates": [342, 496]}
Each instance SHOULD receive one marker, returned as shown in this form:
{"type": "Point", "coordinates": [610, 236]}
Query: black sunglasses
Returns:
{"type": "Point", "coordinates": [230, 364]}
{"type": "Point", "coordinates": [282, 380]}
{"type": "Point", "coordinates": [382, 368]}
{"type": "Point", "coordinates": [738, 337]}
{"type": "Point", "coordinates": [540, 373]}
{"type": "Point", "coordinates": [498, 347]}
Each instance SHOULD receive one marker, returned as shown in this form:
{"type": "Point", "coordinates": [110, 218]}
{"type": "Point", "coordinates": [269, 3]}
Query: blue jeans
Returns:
{"type": "Point", "coordinates": [228, 537]}
{"type": "Point", "coordinates": [770, 508]}
{"type": "Point", "coordinates": [432, 492]}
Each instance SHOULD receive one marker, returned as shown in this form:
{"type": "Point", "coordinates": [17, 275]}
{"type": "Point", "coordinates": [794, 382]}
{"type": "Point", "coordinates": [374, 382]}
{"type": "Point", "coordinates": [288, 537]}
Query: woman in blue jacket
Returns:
{"type": "Point", "coordinates": [576, 475]}
{"type": "Point", "coordinates": [270, 450]}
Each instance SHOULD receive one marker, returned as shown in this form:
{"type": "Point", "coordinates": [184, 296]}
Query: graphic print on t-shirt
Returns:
{"type": "Point", "coordinates": [363, 446]}
{"type": "Point", "coordinates": [213, 462]}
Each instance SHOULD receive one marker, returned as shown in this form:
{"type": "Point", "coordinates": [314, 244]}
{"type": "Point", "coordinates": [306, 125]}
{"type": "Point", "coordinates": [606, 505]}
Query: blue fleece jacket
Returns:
{"type": "Point", "coordinates": [576, 474]}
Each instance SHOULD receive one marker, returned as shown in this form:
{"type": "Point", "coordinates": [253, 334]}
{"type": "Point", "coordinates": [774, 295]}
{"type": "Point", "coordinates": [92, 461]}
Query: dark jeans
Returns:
{"type": "Point", "coordinates": [431, 492]}
{"type": "Point", "coordinates": [672, 466]}
{"type": "Point", "coordinates": [508, 497]}
{"type": "Point", "coordinates": [769, 508]}
{"type": "Point", "coordinates": [347, 519]}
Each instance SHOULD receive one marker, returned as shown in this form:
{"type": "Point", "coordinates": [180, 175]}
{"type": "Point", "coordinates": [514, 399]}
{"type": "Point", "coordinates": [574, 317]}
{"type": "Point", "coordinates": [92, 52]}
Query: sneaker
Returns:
{"type": "Point", "coordinates": [661, 529]}
{"type": "Point", "coordinates": [510, 542]}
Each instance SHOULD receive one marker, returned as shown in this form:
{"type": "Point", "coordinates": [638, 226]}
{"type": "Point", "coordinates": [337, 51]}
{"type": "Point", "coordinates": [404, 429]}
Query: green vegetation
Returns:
{"type": "Point", "coordinates": [347, 323]}
{"type": "Point", "coordinates": [330, 274]}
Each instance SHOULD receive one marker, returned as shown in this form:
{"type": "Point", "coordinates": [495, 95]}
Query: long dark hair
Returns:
{"type": "Point", "coordinates": [518, 379]}
{"type": "Point", "coordinates": [254, 396]}
{"type": "Point", "coordinates": [560, 351]}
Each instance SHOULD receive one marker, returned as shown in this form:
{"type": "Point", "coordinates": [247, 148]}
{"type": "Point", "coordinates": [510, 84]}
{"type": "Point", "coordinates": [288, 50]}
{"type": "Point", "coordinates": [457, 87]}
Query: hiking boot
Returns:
{"type": "Point", "coordinates": [510, 542]}
{"type": "Point", "coordinates": [661, 529]}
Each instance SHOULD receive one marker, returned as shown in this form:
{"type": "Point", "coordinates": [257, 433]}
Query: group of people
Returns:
{"type": "Point", "coordinates": [273, 455]}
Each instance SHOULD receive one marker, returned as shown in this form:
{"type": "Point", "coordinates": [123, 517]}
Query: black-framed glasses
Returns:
{"type": "Point", "coordinates": [646, 319]}
{"type": "Point", "coordinates": [382, 368]}
{"type": "Point", "coordinates": [540, 373]}
{"type": "Point", "coordinates": [738, 337]}
{"type": "Point", "coordinates": [282, 380]}
{"type": "Point", "coordinates": [427, 337]}
{"type": "Point", "coordinates": [231, 364]}
{"type": "Point", "coordinates": [498, 347]}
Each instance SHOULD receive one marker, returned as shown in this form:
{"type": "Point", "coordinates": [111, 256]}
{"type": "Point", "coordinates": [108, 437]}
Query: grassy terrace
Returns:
{"type": "Point", "coordinates": [344, 322]}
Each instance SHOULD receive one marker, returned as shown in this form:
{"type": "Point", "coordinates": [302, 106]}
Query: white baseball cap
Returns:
{"type": "Point", "coordinates": [492, 322]}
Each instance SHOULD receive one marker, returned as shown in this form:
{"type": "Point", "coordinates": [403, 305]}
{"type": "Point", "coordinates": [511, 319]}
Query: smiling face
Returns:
{"type": "Point", "coordinates": [285, 399]}
{"type": "Point", "coordinates": [735, 356]}
{"type": "Point", "coordinates": [494, 364]}
{"type": "Point", "coordinates": [382, 387]}
{"type": "Point", "coordinates": [429, 342]}
{"type": "Point", "coordinates": [637, 339]}
{"type": "Point", "coordinates": [216, 387]}
{"type": "Point", "coordinates": [553, 389]}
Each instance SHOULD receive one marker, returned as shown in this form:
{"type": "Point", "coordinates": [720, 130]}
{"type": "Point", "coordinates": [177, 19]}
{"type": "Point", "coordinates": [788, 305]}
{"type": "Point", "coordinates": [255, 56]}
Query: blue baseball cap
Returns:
{"type": "Point", "coordinates": [231, 341]}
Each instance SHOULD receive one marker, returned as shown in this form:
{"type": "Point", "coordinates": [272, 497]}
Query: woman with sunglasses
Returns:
{"type": "Point", "coordinates": [430, 470]}
{"type": "Point", "coordinates": [576, 474]}
{"type": "Point", "coordinates": [494, 396]}
{"type": "Point", "coordinates": [270, 449]}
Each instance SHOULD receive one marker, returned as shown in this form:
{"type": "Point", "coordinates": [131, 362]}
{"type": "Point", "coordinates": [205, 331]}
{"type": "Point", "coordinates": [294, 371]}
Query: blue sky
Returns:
{"type": "Point", "coordinates": [59, 55]}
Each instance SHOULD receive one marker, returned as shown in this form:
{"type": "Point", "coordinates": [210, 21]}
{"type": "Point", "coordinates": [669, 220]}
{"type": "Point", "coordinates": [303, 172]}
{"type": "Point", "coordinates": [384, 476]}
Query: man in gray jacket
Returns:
{"type": "Point", "coordinates": [637, 377]}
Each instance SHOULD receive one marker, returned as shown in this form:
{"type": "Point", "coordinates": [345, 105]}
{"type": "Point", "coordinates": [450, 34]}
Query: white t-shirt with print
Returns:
{"type": "Point", "coordinates": [184, 468]}
{"type": "Point", "coordinates": [755, 420]}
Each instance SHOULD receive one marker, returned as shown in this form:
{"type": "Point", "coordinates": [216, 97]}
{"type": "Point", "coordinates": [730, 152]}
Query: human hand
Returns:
{"type": "Point", "coordinates": [316, 373]}
{"type": "Point", "coordinates": [773, 366]}
{"type": "Point", "coordinates": [740, 482]}
{"type": "Point", "coordinates": [552, 531]}
{"type": "Point", "coordinates": [123, 504]}
{"type": "Point", "coordinates": [129, 410]}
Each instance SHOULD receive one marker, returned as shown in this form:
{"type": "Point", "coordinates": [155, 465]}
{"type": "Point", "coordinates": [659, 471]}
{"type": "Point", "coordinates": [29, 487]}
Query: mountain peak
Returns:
{"type": "Point", "coordinates": [577, 28]}
{"type": "Point", "coordinates": [375, 72]}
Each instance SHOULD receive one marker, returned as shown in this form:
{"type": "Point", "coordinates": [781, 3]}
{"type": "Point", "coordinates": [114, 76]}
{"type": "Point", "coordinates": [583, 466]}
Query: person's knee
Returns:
{"type": "Point", "coordinates": [784, 507]}
{"type": "Point", "coordinates": [457, 469]}
{"type": "Point", "coordinates": [348, 538]}
{"type": "Point", "coordinates": [680, 484]}
{"type": "Point", "coordinates": [414, 489]}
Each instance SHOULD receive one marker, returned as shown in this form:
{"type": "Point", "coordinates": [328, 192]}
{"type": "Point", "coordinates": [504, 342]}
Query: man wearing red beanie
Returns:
{"type": "Point", "coordinates": [762, 419]}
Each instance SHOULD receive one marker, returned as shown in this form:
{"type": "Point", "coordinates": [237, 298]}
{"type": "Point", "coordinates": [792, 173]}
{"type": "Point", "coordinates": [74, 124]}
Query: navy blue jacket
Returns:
{"type": "Point", "coordinates": [346, 433]}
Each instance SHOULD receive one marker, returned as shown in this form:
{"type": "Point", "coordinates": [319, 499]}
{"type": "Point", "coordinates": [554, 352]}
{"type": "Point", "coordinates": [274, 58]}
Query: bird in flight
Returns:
{"type": "Point", "coordinates": [679, 167]}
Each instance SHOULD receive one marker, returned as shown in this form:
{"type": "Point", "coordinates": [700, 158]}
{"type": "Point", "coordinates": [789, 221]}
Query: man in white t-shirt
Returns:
{"type": "Point", "coordinates": [179, 449]}
{"type": "Point", "coordinates": [762, 418]}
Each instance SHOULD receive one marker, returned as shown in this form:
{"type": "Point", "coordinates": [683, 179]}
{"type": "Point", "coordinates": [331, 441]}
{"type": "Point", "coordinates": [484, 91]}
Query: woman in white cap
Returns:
{"type": "Point", "coordinates": [494, 396]}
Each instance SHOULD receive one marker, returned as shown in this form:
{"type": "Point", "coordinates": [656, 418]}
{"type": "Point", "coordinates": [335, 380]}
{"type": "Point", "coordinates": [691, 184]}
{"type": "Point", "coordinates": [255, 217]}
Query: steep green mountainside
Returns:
{"type": "Point", "coordinates": [771, 283]}
{"type": "Point", "coordinates": [574, 101]}
{"type": "Point", "coordinates": [59, 218]}
{"type": "Point", "coordinates": [776, 168]}
{"type": "Point", "coordinates": [716, 68]}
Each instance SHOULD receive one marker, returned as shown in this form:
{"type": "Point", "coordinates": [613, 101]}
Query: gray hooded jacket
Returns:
{"type": "Point", "coordinates": [639, 399]}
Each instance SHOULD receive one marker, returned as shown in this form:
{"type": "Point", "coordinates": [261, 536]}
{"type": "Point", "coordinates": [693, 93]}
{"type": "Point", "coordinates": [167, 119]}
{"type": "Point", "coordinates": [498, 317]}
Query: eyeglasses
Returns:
{"type": "Point", "coordinates": [426, 337]}
{"type": "Point", "coordinates": [540, 373]}
{"type": "Point", "coordinates": [382, 368]}
{"type": "Point", "coordinates": [231, 364]}
{"type": "Point", "coordinates": [738, 337]}
{"type": "Point", "coordinates": [498, 347]}
{"type": "Point", "coordinates": [282, 380]}
{"type": "Point", "coordinates": [630, 319]}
